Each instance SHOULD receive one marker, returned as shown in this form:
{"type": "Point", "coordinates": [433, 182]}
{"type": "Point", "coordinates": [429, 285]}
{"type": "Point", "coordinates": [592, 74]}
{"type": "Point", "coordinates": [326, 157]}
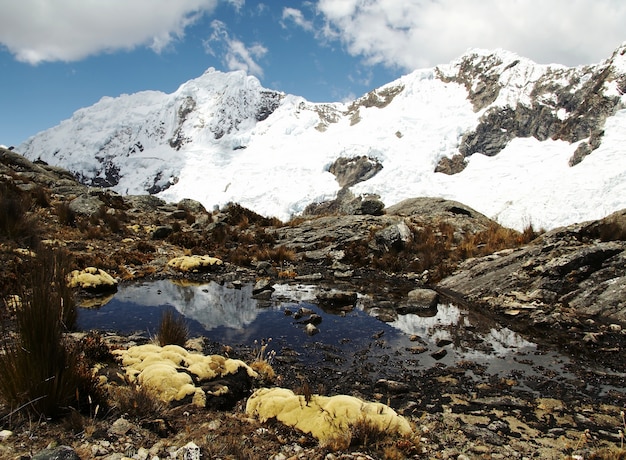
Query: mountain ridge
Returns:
{"type": "Point", "coordinates": [223, 137]}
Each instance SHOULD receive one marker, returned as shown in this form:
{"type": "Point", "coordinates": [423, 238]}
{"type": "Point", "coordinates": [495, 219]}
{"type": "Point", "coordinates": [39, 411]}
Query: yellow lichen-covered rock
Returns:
{"type": "Point", "coordinates": [194, 263]}
{"type": "Point", "coordinates": [325, 417]}
{"type": "Point", "coordinates": [92, 278]}
{"type": "Point", "coordinates": [168, 370]}
{"type": "Point", "coordinates": [13, 302]}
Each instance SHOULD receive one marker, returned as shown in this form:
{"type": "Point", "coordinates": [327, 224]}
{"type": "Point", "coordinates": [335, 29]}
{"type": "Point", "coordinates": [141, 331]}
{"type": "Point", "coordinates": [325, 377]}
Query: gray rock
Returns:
{"type": "Point", "coordinates": [262, 284]}
{"type": "Point", "coordinates": [86, 205]}
{"type": "Point", "coordinates": [394, 236]}
{"type": "Point", "coordinates": [567, 267]}
{"type": "Point", "coordinates": [311, 329]}
{"type": "Point", "coordinates": [58, 453]}
{"type": "Point", "coordinates": [120, 427]}
{"type": "Point", "coordinates": [144, 203]}
{"type": "Point", "coordinates": [350, 171]}
{"type": "Point", "coordinates": [419, 300]}
{"type": "Point", "coordinates": [190, 205]}
{"type": "Point", "coordinates": [484, 434]}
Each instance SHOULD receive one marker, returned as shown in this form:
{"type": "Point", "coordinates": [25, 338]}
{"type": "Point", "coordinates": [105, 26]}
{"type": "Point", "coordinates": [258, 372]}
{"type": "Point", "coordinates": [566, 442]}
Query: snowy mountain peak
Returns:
{"type": "Point", "coordinates": [518, 141]}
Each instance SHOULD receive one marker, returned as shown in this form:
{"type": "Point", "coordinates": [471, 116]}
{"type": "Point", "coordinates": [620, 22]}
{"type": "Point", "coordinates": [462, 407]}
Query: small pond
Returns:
{"type": "Point", "coordinates": [346, 339]}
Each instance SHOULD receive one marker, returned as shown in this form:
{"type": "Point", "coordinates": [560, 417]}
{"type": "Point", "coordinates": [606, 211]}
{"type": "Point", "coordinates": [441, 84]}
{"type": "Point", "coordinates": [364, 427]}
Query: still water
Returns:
{"type": "Point", "coordinates": [232, 316]}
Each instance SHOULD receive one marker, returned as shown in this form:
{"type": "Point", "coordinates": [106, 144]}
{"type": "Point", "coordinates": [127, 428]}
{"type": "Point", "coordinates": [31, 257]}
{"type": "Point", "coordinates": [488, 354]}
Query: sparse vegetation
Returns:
{"type": "Point", "coordinates": [136, 401]}
{"type": "Point", "coordinates": [16, 223]}
{"type": "Point", "coordinates": [65, 214]}
{"type": "Point", "coordinates": [436, 248]}
{"type": "Point", "coordinates": [263, 359]}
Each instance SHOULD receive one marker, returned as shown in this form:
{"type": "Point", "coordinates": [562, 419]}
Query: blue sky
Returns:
{"type": "Point", "coordinates": [58, 56]}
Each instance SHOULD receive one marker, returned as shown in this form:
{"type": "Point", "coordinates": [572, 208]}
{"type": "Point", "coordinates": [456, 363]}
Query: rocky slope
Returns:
{"type": "Point", "coordinates": [564, 290]}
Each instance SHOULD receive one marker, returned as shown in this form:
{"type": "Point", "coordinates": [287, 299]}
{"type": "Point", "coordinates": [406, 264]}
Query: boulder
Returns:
{"type": "Point", "coordinates": [86, 205]}
{"type": "Point", "coordinates": [144, 203]}
{"type": "Point", "coordinates": [190, 205]}
{"type": "Point", "coordinates": [419, 300]}
{"type": "Point", "coordinates": [395, 236]}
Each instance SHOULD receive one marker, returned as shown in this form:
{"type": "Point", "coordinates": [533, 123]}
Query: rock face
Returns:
{"type": "Point", "coordinates": [350, 171]}
{"type": "Point", "coordinates": [576, 271]}
{"type": "Point", "coordinates": [569, 104]}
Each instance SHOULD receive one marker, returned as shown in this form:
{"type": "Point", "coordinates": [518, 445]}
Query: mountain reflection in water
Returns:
{"type": "Point", "coordinates": [231, 316]}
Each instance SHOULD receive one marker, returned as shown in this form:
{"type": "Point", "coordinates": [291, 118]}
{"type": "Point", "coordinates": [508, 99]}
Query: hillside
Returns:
{"type": "Point", "coordinates": [558, 300]}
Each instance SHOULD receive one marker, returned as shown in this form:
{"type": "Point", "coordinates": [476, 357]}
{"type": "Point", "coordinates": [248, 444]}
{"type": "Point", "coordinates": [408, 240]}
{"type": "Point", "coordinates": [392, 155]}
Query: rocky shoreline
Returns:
{"type": "Point", "coordinates": [564, 290]}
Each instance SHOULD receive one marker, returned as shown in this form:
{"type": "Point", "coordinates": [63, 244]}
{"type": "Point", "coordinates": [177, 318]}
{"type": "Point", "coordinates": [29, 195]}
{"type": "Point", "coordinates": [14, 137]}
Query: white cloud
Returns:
{"type": "Point", "coordinates": [421, 33]}
{"type": "Point", "coordinates": [68, 30]}
{"type": "Point", "coordinates": [296, 16]}
{"type": "Point", "coordinates": [234, 53]}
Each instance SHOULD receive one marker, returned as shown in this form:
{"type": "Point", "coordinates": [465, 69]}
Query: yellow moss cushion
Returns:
{"type": "Point", "coordinates": [193, 263]}
{"type": "Point", "coordinates": [324, 417]}
{"type": "Point", "coordinates": [166, 370]}
{"type": "Point", "coordinates": [91, 278]}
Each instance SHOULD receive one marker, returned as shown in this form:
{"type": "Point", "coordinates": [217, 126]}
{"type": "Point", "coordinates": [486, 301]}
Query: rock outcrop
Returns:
{"type": "Point", "coordinates": [569, 104]}
{"type": "Point", "coordinates": [565, 276]}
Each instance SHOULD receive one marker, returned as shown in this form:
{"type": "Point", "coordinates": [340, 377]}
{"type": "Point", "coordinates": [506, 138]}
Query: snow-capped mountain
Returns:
{"type": "Point", "coordinates": [520, 142]}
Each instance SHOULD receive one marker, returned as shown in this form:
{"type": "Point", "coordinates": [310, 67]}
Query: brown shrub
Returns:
{"type": "Point", "coordinates": [65, 214]}
{"type": "Point", "coordinates": [172, 329]}
{"type": "Point", "coordinates": [136, 401]}
{"type": "Point", "coordinates": [40, 372]}
{"type": "Point", "coordinates": [16, 223]}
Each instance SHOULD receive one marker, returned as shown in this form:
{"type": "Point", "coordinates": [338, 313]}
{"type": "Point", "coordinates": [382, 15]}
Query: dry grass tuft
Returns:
{"type": "Point", "coordinates": [41, 373]}
{"type": "Point", "coordinates": [16, 222]}
{"type": "Point", "coordinates": [172, 329]}
{"type": "Point", "coordinates": [263, 359]}
{"type": "Point", "coordinates": [137, 402]}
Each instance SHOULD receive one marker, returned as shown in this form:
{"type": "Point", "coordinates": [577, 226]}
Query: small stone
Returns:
{"type": "Point", "coordinates": [615, 328]}
{"type": "Point", "coordinates": [262, 284]}
{"type": "Point", "coordinates": [439, 353]}
{"type": "Point", "coordinates": [142, 454]}
{"type": "Point", "coordinates": [417, 350]}
{"type": "Point", "coordinates": [5, 434]}
{"type": "Point", "coordinates": [311, 329]}
{"type": "Point", "coordinates": [120, 427]}
{"type": "Point", "coordinates": [214, 425]}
